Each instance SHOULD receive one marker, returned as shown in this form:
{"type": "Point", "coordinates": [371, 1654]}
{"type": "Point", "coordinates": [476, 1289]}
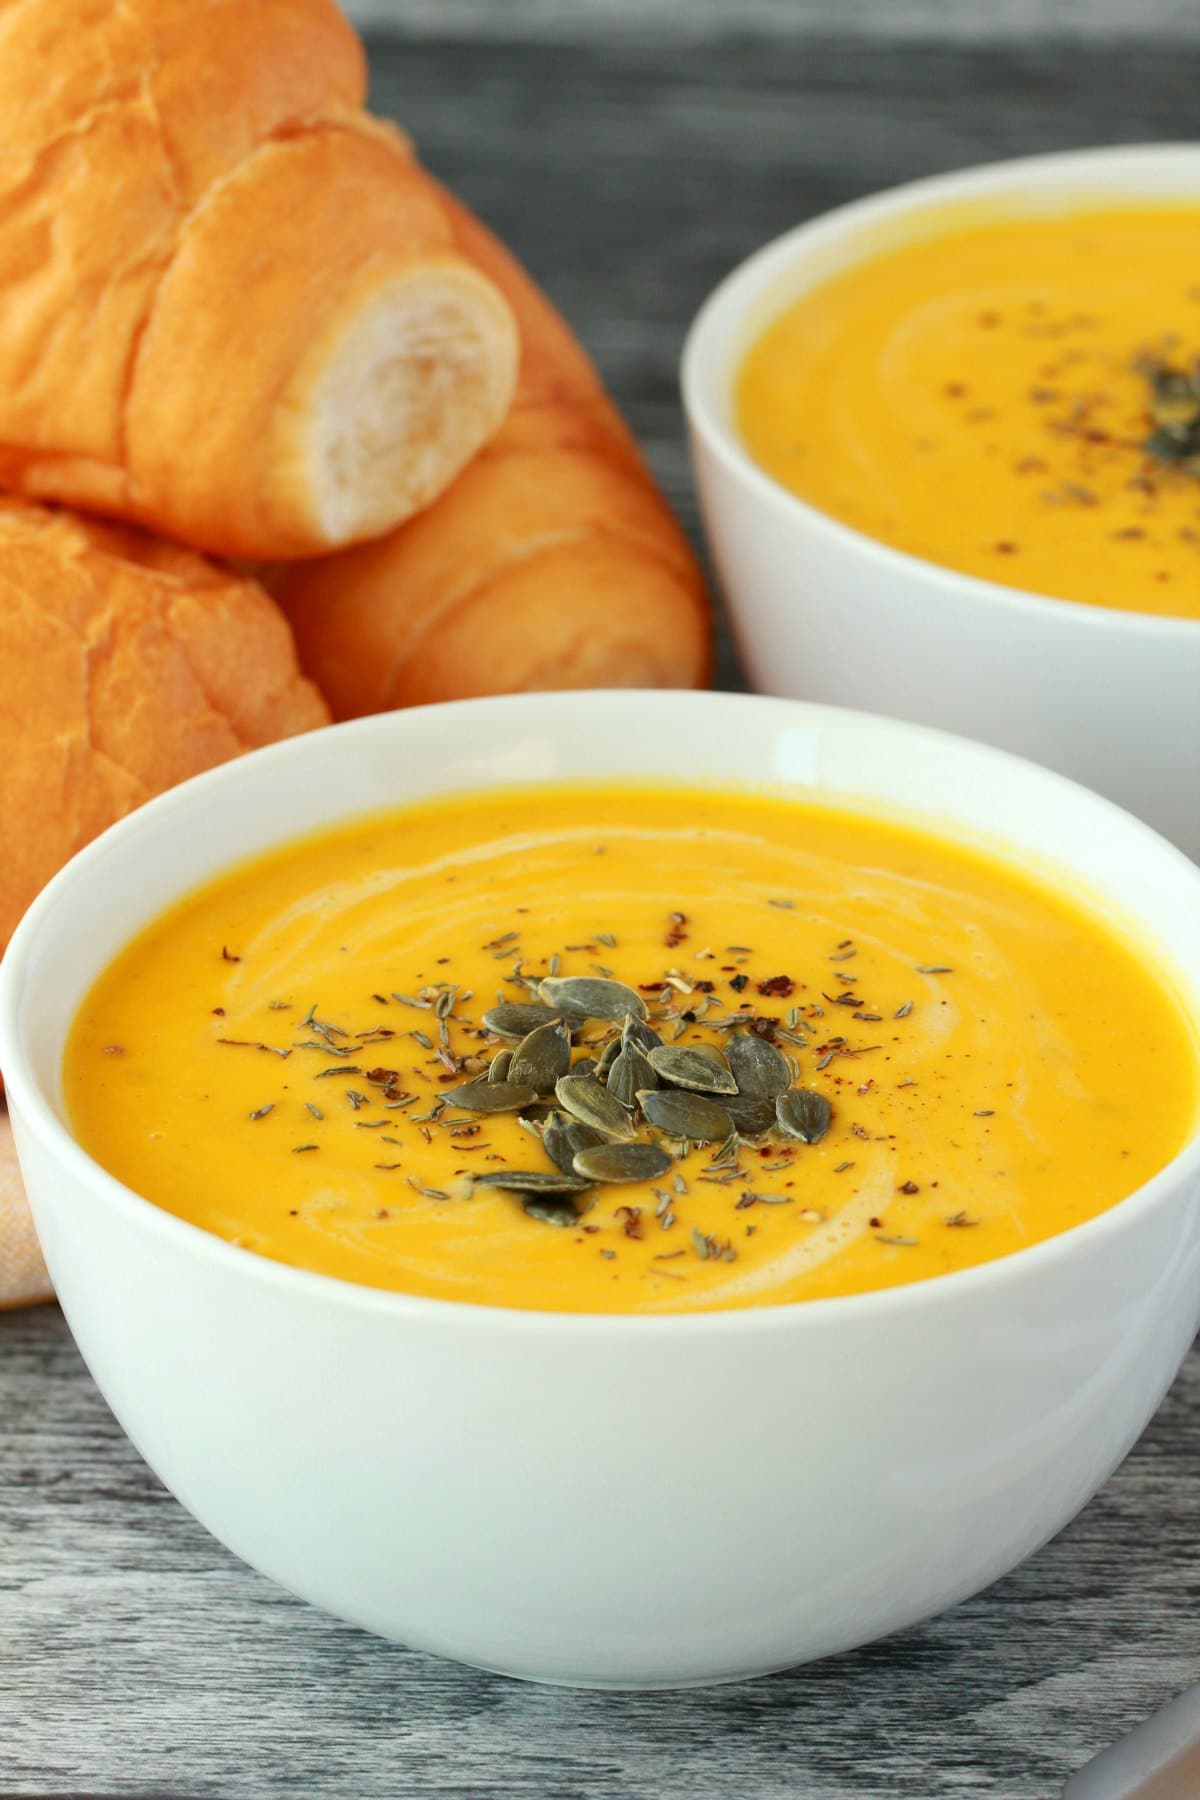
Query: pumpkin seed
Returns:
{"type": "Point", "coordinates": [586, 1065]}
{"type": "Point", "coordinates": [543, 1056]}
{"type": "Point", "coordinates": [608, 1057]}
{"type": "Point", "coordinates": [490, 1096]}
{"type": "Point", "coordinates": [630, 1073]}
{"type": "Point", "coordinates": [552, 1211]}
{"type": "Point", "coordinates": [685, 1115]}
{"type": "Point", "coordinates": [499, 1066]}
{"type": "Point", "coordinates": [622, 1162]}
{"type": "Point", "coordinates": [517, 1018]}
{"type": "Point", "coordinates": [584, 1098]}
{"type": "Point", "coordinates": [533, 1181]}
{"type": "Point", "coordinates": [538, 1110]}
{"type": "Point", "coordinates": [591, 997]}
{"type": "Point", "coordinates": [637, 1032]}
{"type": "Point", "coordinates": [803, 1113]}
{"type": "Point", "coordinates": [565, 1137]}
{"type": "Point", "coordinates": [751, 1117]}
{"type": "Point", "coordinates": [687, 1068]}
{"type": "Point", "coordinates": [760, 1071]}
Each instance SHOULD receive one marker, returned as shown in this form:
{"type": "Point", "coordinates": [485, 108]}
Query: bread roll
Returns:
{"type": "Point", "coordinates": [23, 1276]}
{"type": "Point", "coordinates": [230, 308]}
{"type": "Point", "coordinates": [126, 665]}
{"type": "Point", "coordinates": [552, 562]}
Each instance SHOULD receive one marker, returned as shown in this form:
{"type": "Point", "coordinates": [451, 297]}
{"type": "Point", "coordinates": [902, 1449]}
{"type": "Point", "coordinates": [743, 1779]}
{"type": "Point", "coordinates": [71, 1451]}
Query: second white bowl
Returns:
{"type": "Point", "coordinates": [823, 612]}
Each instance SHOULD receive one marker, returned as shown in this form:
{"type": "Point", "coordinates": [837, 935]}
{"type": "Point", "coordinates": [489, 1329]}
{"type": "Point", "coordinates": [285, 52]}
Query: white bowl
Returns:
{"type": "Point", "coordinates": [608, 1500]}
{"type": "Point", "coordinates": [823, 612]}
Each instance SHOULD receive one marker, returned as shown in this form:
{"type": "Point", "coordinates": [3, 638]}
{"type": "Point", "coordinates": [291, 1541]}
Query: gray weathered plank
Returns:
{"type": "Point", "coordinates": [136, 1655]}
{"type": "Point", "coordinates": [589, 21]}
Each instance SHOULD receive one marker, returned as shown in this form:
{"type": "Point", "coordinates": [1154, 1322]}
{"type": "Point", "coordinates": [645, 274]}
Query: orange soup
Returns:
{"type": "Point", "coordinates": [1015, 398]}
{"type": "Point", "coordinates": [631, 1049]}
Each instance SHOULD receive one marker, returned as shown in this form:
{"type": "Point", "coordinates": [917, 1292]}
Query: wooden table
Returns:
{"type": "Point", "coordinates": [136, 1656]}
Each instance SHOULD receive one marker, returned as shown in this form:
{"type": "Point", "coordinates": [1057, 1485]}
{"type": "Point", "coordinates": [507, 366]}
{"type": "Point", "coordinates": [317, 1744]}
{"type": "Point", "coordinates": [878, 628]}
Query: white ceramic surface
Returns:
{"type": "Point", "coordinates": [822, 612]}
{"type": "Point", "coordinates": [607, 1500]}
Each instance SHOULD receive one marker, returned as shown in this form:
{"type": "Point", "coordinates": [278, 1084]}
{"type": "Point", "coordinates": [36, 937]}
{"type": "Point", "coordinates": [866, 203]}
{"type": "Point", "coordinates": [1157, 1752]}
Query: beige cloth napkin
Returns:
{"type": "Point", "coordinates": [23, 1276]}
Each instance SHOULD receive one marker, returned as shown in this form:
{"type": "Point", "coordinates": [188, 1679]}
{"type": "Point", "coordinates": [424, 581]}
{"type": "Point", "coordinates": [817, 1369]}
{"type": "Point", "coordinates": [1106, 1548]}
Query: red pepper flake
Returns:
{"type": "Point", "coordinates": [675, 930]}
{"type": "Point", "coordinates": [629, 1217]}
{"type": "Point", "coordinates": [777, 986]}
{"type": "Point", "coordinates": [738, 982]}
{"type": "Point", "coordinates": [227, 954]}
{"type": "Point", "coordinates": [763, 1028]}
{"type": "Point", "coordinates": [909, 1187]}
{"type": "Point", "coordinates": [218, 1012]}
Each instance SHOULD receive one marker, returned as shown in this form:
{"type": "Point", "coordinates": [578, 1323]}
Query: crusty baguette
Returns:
{"type": "Point", "coordinates": [23, 1276]}
{"type": "Point", "coordinates": [126, 665]}
{"type": "Point", "coordinates": [230, 309]}
{"type": "Point", "coordinates": [552, 562]}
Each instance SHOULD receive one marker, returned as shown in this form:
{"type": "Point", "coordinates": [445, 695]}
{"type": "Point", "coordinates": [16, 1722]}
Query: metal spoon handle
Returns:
{"type": "Point", "coordinates": [1159, 1760]}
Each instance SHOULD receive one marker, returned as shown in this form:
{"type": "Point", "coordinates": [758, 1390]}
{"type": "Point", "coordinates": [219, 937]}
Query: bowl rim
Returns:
{"type": "Point", "coordinates": [702, 371]}
{"type": "Point", "coordinates": [40, 1118]}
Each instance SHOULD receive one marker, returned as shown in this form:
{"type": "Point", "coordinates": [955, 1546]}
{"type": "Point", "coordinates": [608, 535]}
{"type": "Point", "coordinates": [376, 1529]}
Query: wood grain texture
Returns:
{"type": "Point", "coordinates": [535, 21]}
{"type": "Point", "coordinates": [136, 1656]}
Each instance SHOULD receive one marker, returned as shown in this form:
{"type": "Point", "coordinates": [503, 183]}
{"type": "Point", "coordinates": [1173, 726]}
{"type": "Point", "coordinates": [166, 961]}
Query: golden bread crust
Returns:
{"type": "Point", "coordinates": [188, 195]}
{"type": "Point", "coordinates": [125, 667]}
{"type": "Point", "coordinates": [23, 1276]}
{"type": "Point", "coordinates": [552, 562]}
